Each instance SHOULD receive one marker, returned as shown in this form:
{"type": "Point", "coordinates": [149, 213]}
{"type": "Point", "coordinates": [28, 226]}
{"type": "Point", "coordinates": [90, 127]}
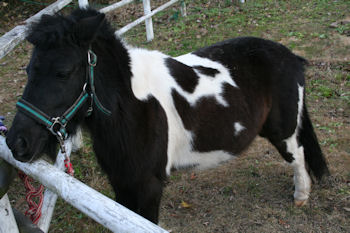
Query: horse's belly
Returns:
{"type": "Point", "coordinates": [181, 152]}
{"type": "Point", "coordinates": [200, 160]}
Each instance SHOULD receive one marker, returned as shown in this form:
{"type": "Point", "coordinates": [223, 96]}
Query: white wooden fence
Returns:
{"type": "Point", "coordinates": [100, 208]}
{"type": "Point", "coordinates": [18, 34]}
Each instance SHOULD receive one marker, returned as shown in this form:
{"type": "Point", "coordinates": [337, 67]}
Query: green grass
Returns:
{"type": "Point", "coordinates": [275, 19]}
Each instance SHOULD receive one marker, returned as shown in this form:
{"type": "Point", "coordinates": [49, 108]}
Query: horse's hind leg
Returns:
{"type": "Point", "coordinates": [294, 154]}
{"type": "Point", "coordinates": [282, 128]}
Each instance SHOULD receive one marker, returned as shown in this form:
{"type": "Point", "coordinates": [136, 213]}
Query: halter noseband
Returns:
{"type": "Point", "coordinates": [57, 125]}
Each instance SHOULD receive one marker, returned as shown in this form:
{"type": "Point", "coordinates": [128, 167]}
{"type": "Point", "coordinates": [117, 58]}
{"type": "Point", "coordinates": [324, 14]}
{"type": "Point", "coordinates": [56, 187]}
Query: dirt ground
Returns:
{"type": "Point", "coordinates": [254, 192]}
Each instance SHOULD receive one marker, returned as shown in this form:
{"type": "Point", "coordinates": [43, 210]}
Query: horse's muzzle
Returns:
{"type": "Point", "coordinates": [22, 137]}
{"type": "Point", "coordinates": [19, 147]}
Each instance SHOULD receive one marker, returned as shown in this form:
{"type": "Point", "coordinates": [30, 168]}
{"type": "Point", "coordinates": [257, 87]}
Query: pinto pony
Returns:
{"type": "Point", "coordinates": [149, 113]}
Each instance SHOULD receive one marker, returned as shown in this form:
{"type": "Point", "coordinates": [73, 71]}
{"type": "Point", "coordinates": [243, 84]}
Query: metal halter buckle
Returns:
{"type": "Point", "coordinates": [57, 121]}
{"type": "Point", "coordinates": [92, 58]}
{"type": "Point", "coordinates": [60, 139]}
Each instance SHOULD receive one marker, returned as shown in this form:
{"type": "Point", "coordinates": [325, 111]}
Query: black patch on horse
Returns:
{"type": "Point", "coordinates": [183, 74]}
{"type": "Point", "coordinates": [212, 124]}
{"type": "Point", "coordinates": [207, 70]}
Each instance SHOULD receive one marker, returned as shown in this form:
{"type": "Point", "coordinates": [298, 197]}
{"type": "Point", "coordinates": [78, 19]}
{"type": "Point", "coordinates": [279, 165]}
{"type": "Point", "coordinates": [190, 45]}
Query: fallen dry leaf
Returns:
{"type": "Point", "coordinates": [193, 176]}
{"type": "Point", "coordinates": [185, 204]}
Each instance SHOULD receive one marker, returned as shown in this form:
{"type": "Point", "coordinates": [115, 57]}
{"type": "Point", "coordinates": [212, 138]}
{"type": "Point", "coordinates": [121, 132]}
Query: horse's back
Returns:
{"type": "Point", "coordinates": [255, 59]}
{"type": "Point", "coordinates": [266, 72]}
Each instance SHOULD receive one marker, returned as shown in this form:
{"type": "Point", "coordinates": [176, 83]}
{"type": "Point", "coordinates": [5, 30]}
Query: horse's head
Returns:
{"type": "Point", "coordinates": [56, 78]}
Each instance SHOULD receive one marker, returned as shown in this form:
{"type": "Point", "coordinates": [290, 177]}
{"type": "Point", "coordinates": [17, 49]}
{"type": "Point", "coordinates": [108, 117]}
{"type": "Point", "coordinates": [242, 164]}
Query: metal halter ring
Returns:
{"type": "Point", "coordinates": [84, 87]}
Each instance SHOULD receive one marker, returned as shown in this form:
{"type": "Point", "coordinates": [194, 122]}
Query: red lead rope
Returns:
{"type": "Point", "coordinates": [69, 166]}
{"type": "Point", "coordinates": [34, 208]}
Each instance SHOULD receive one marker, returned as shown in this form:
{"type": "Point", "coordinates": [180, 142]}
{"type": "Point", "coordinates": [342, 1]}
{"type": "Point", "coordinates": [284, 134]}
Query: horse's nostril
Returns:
{"type": "Point", "coordinates": [21, 146]}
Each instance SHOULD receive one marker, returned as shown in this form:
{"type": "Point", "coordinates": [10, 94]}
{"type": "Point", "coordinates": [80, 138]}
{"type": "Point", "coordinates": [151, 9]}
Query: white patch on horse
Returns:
{"type": "Point", "coordinates": [302, 179]}
{"type": "Point", "coordinates": [77, 140]}
{"type": "Point", "coordinates": [238, 128]}
{"type": "Point", "coordinates": [151, 77]}
{"type": "Point", "coordinates": [207, 85]}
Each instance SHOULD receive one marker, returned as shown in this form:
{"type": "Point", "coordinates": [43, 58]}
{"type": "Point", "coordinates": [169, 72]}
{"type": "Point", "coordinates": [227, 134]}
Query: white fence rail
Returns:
{"type": "Point", "coordinates": [18, 34]}
{"type": "Point", "coordinates": [103, 210]}
{"type": "Point", "coordinates": [114, 6]}
{"type": "Point", "coordinates": [143, 18]}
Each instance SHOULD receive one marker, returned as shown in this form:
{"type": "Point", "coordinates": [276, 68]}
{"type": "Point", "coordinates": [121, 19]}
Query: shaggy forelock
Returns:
{"type": "Point", "coordinates": [52, 30]}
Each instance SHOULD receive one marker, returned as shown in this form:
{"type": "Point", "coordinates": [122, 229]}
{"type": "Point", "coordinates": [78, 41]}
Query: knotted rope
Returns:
{"type": "Point", "coordinates": [34, 209]}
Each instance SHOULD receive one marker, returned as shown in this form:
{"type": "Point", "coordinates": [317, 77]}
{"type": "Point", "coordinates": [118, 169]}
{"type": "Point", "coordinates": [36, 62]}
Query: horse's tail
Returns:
{"type": "Point", "coordinates": [314, 157]}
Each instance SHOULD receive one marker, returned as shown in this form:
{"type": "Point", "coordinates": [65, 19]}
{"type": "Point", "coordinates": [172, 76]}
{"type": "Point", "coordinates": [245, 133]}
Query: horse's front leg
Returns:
{"type": "Point", "coordinates": [143, 197]}
{"type": "Point", "coordinates": [149, 196]}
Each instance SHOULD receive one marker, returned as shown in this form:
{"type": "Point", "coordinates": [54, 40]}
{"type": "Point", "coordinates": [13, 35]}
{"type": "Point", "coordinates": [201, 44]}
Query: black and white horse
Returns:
{"type": "Point", "coordinates": [152, 112]}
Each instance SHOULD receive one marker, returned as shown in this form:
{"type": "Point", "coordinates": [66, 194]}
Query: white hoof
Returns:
{"type": "Point", "coordinates": [300, 203]}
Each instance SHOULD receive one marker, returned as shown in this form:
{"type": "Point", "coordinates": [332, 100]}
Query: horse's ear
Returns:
{"type": "Point", "coordinates": [87, 28]}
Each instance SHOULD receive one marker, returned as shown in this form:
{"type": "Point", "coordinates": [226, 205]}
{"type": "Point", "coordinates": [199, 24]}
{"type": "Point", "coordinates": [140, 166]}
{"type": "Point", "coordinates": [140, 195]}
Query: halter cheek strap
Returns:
{"type": "Point", "coordinates": [57, 125]}
{"type": "Point", "coordinates": [92, 60]}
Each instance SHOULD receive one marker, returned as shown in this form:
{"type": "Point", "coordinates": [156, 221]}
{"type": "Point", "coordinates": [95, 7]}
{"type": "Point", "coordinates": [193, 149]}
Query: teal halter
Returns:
{"type": "Point", "coordinates": [57, 125]}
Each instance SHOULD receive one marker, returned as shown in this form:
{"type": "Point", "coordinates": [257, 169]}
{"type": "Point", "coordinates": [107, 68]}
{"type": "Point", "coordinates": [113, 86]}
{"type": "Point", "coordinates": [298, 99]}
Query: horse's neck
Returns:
{"type": "Point", "coordinates": [113, 89]}
{"type": "Point", "coordinates": [113, 69]}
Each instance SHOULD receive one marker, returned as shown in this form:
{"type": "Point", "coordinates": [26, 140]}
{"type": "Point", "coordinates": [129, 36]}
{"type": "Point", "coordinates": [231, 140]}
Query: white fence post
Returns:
{"type": "Point", "coordinates": [50, 197]}
{"type": "Point", "coordinates": [148, 22]}
{"type": "Point", "coordinates": [183, 8]}
{"type": "Point", "coordinates": [7, 219]}
{"type": "Point", "coordinates": [143, 18]}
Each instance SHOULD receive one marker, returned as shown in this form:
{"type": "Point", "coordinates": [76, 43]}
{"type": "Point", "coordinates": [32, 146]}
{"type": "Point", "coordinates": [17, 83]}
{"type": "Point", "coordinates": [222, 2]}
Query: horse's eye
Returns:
{"type": "Point", "coordinates": [62, 75]}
